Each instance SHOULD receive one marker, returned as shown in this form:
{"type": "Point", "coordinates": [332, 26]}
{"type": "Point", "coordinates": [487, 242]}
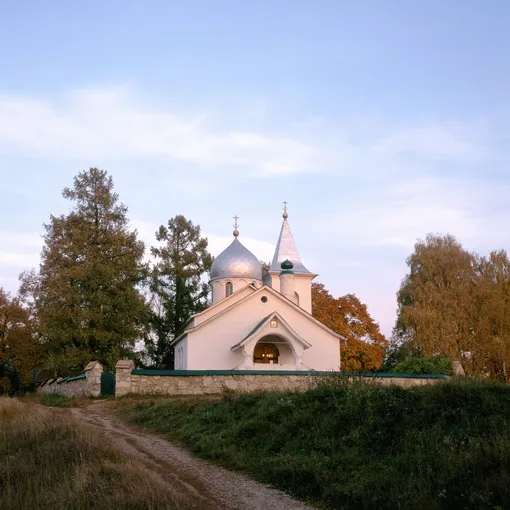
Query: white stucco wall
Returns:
{"type": "Point", "coordinates": [181, 354]}
{"type": "Point", "coordinates": [302, 287]}
{"type": "Point", "coordinates": [221, 305]}
{"type": "Point", "coordinates": [219, 286]}
{"type": "Point", "coordinates": [209, 346]}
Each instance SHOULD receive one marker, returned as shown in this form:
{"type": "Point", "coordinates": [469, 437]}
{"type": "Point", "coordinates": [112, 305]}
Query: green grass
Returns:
{"type": "Point", "coordinates": [49, 461]}
{"type": "Point", "coordinates": [359, 446]}
{"type": "Point", "coordinates": [55, 400]}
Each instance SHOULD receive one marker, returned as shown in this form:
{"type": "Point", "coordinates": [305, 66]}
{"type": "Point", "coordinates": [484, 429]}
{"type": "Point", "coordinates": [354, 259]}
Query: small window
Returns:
{"type": "Point", "coordinates": [229, 289]}
{"type": "Point", "coordinates": [263, 299]}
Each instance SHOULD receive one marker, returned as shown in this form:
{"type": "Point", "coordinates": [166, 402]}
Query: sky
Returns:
{"type": "Point", "coordinates": [379, 121]}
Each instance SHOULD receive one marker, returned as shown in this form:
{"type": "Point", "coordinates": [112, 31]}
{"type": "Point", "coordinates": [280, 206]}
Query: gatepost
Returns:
{"type": "Point", "coordinates": [123, 371]}
{"type": "Point", "coordinates": [93, 373]}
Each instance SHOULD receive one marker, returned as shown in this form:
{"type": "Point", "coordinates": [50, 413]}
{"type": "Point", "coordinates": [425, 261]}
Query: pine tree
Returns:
{"type": "Point", "coordinates": [86, 294]}
{"type": "Point", "coordinates": [177, 288]}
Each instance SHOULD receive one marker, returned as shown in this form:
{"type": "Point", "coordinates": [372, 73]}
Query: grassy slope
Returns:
{"type": "Point", "coordinates": [49, 461]}
{"type": "Point", "coordinates": [445, 446]}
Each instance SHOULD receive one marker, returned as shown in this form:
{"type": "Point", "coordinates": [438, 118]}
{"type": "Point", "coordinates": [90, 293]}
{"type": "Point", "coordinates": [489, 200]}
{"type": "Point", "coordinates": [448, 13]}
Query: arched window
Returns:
{"type": "Point", "coordinates": [265, 353]}
{"type": "Point", "coordinates": [229, 289]}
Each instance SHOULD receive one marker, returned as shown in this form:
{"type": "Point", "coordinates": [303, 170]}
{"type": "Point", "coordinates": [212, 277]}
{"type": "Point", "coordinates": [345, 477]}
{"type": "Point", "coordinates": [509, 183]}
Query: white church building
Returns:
{"type": "Point", "coordinates": [257, 323]}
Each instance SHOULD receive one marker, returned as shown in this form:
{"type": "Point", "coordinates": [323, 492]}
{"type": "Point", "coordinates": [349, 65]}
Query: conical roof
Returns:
{"type": "Point", "coordinates": [286, 250]}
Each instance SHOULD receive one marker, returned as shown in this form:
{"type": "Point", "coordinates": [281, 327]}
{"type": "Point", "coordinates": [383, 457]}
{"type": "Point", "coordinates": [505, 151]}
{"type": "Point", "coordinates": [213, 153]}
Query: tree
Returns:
{"type": "Point", "coordinates": [364, 347]}
{"type": "Point", "coordinates": [177, 288]}
{"type": "Point", "coordinates": [490, 354]}
{"type": "Point", "coordinates": [19, 347]}
{"type": "Point", "coordinates": [436, 301]}
{"type": "Point", "coordinates": [86, 294]}
{"type": "Point", "coordinates": [265, 267]}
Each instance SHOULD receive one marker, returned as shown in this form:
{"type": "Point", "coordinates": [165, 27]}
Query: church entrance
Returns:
{"type": "Point", "coordinates": [266, 353]}
{"type": "Point", "coordinates": [273, 350]}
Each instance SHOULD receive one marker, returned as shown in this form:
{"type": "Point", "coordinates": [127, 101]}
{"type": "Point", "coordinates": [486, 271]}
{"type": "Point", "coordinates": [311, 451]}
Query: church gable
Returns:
{"type": "Point", "coordinates": [223, 304]}
{"type": "Point", "coordinates": [259, 302]}
{"type": "Point", "coordinates": [263, 331]}
{"type": "Point", "coordinates": [275, 325]}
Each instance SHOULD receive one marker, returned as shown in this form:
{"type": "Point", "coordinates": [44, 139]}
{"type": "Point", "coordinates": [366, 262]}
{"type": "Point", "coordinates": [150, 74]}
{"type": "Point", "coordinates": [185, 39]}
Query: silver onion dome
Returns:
{"type": "Point", "coordinates": [236, 262]}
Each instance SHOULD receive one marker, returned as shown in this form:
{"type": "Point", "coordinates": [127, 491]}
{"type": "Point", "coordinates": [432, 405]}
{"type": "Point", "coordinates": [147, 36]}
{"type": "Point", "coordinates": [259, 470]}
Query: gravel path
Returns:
{"type": "Point", "coordinates": [211, 486]}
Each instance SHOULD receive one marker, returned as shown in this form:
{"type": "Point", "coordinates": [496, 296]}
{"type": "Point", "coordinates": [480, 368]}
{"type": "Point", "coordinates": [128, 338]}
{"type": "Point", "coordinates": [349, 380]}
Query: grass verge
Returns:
{"type": "Point", "coordinates": [355, 446]}
{"type": "Point", "coordinates": [49, 461]}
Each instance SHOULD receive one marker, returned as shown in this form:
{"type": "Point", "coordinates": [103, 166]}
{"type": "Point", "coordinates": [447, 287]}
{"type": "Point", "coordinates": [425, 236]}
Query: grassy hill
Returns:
{"type": "Point", "coordinates": [363, 446]}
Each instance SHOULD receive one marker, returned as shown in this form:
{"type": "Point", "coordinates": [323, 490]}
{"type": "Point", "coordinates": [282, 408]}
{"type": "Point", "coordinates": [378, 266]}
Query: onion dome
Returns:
{"type": "Point", "coordinates": [287, 267]}
{"type": "Point", "coordinates": [236, 262]}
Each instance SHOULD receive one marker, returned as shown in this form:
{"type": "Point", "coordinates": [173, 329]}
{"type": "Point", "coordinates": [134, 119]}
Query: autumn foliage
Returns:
{"type": "Point", "coordinates": [456, 303]}
{"type": "Point", "coordinates": [364, 347]}
{"type": "Point", "coordinates": [18, 343]}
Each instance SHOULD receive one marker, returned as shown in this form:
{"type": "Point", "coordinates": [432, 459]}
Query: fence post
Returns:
{"type": "Point", "coordinates": [93, 373]}
{"type": "Point", "coordinates": [123, 371]}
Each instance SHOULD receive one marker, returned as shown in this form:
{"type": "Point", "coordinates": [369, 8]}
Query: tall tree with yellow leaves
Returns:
{"type": "Point", "coordinates": [437, 299]}
{"type": "Point", "coordinates": [490, 353]}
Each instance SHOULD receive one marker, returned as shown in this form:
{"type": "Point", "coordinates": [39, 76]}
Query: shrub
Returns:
{"type": "Point", "coordinates": [425, 365]}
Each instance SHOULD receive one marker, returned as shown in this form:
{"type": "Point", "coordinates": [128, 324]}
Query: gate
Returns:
{"type": "Point", "coordinates": [107, 383]}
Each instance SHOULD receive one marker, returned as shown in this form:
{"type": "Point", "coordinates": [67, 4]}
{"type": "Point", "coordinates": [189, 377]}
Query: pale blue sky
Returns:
{"type": "Point", "coordinates": [379, 121]}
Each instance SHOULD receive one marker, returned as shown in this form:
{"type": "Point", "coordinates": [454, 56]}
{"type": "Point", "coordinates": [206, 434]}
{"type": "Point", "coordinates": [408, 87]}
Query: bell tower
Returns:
{"type": "Point", "coordinates": [286, 251]}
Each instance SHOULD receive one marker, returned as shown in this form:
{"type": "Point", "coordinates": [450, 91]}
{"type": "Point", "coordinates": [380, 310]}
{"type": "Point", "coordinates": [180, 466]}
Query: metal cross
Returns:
{"type": "Point", "coordinates": [236, 226]}
{"type": "Point", "coordinates": [285, 206]}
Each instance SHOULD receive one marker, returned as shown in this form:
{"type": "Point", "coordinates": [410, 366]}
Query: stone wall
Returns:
{"type": "Point", "coordinates": [88, 384]}
{"type": "Point", "coordinates": [217, 382]}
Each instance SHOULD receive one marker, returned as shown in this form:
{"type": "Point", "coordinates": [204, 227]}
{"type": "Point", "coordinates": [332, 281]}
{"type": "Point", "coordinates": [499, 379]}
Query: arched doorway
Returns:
{"type": "Point", "coordinates": [266, 353]}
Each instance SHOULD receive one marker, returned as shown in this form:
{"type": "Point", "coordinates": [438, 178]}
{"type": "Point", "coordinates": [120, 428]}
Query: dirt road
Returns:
{"type": "Point", "coordinates": [212, 487]}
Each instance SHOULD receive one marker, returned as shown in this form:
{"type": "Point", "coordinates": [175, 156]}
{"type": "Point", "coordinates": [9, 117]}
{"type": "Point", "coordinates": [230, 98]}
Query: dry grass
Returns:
{"type": "Point", "coordinates": [49, 461]}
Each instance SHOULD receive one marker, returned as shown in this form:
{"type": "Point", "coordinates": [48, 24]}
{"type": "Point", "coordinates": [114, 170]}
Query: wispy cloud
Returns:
{"type": "Point", "coordinates": [400, 213]}
{"type": "Point", "coordinates": [112, 124]}
{"type": "Point", "coordinates": [115, 124]}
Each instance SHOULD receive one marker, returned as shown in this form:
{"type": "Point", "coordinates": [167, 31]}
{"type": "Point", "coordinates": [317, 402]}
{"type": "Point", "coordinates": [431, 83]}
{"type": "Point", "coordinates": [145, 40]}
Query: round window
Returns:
{"type": "Point", "coordinates": [263, 299]}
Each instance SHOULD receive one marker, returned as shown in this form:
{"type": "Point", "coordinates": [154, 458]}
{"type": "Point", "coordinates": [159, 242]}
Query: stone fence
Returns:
{"type": "Point", "coordinates": [208, 382]}
{"type": "Point", "coordinates": [87, 384]}
{"type": "Point", "coordinates": [128, 380]}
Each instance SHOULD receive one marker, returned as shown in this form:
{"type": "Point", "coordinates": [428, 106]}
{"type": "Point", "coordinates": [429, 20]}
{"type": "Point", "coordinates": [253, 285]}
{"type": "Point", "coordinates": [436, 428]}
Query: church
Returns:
{"type": "Point", "coordinates": [256, 321]}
